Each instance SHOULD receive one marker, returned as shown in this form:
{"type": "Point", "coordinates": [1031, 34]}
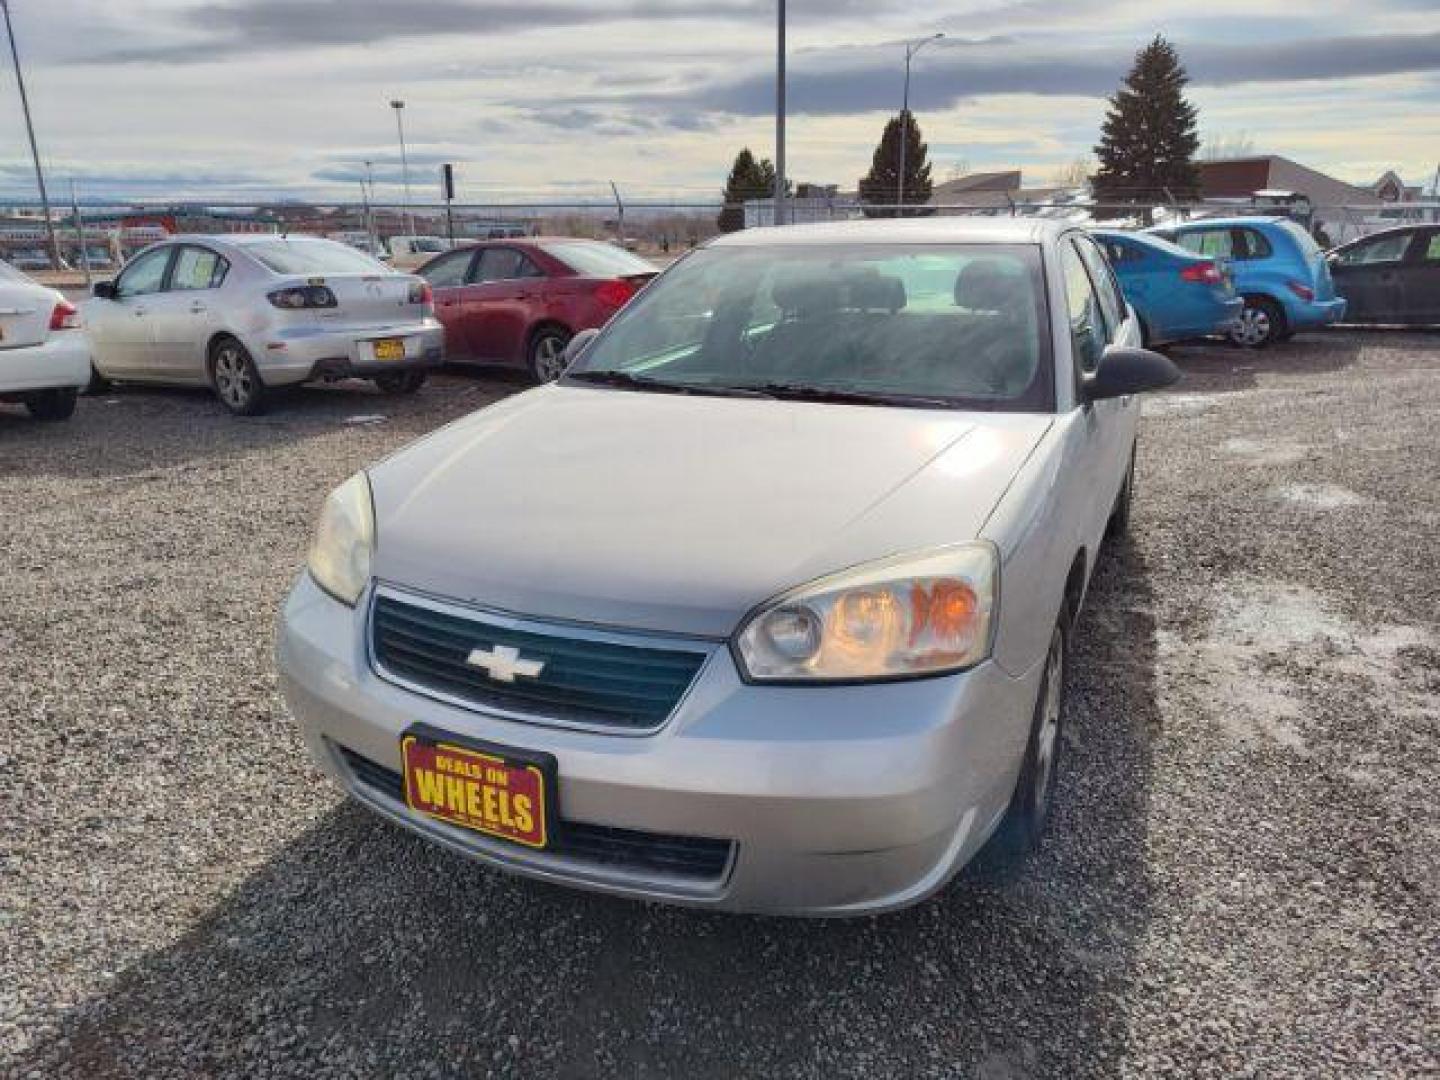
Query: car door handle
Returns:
{"type": "Point", "coordinates": [139, 311]}
{"type": "Point", "coordinates": [197, 307]}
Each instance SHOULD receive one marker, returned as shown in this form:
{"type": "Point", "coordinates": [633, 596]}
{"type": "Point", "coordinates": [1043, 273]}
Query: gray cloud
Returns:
{"type": "Point", "coordinates": [223, 30]}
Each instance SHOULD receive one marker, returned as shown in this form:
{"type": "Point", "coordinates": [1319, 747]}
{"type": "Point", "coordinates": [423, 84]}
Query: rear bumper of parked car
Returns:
{"type": "Point", "coordinates": [296, 354]}
{"type": "Point", "coordinates": [1311, 313]}
{"type": "Point", "coordinates": [813, 800]}
{"type": "Point", "coordinates": [62, 360]}
{"type": "Point", "coordinates": [1214, 319]}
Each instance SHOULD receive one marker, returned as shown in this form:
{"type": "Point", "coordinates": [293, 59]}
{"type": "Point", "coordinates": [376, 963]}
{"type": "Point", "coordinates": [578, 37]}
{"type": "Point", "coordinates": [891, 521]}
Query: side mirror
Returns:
{"type": "Point", "coordinates": [105, 290]}
{"type": "Point", "coordinates": [578, 344]}
{"type": "Point", "coordinates": [1123, 370]}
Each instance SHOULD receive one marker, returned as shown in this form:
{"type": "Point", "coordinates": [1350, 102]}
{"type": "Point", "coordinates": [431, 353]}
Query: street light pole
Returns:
{"type": "Point", "coordinates": [911, 48]}
{"type": "Point", "coordinates": [399, 107]}
{"type": "Point", "coordinates": [780, 113]}
{"type": "Point", "coordinates": [34, 150]}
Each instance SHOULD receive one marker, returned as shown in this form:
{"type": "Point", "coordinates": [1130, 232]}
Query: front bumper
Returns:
{"type": "Point", "coordinates": [296, 354]}
{"type": "Point", "coordinates": [834, 800]}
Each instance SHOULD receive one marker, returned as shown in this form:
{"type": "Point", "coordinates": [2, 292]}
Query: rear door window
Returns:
{"type": "Point", "coordinates": [1432, 249]}
{"type": "Point", "coordinates": [505, 264]}
{"type": "Point", "coordinates": [197, 268]}
{"type": "Point", "coordinates": [1216, 243]}
{"type": "Point", "coordinates": [1381, 249]}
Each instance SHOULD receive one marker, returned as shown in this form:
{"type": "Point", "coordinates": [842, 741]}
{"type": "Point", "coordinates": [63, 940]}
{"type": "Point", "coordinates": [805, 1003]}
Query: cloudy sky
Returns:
{"type": "Point", "coordinates": [558, 97]}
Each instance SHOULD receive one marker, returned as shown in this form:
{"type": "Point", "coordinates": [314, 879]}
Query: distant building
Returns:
{"type": "Point", "coordinates": [979, 189]}
{"type": "Point", "coordinates": [1240, 178]}
{"type": "Point", "coordinates": [1390, 188]}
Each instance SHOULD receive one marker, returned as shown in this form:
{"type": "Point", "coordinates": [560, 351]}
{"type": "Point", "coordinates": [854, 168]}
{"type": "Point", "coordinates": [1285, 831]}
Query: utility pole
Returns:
{"type": "Point", "coordinates": [34, 150]}
{"type": "Point", "coordinates": [911, 48]}
{"type": "Point", "coordinates": [370, 237]}
{"type": "Point", "coordinates": [780, 113]}
{"type": "Point", "coordinates": [80, 233]}
{"type": "Point", "coordinates": [619, 210]}
{"type": "Point", "coordinates": [399, 107]}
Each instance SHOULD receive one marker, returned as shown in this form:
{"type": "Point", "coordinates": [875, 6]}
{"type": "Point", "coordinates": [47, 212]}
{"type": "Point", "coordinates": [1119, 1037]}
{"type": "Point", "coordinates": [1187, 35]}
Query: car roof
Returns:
{"type": "Point", "coordinates": [933, 230]}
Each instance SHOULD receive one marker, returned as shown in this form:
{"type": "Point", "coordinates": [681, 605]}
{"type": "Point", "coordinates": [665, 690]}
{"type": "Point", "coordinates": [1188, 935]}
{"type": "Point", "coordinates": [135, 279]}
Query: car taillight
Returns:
{"type": "Point", "coordinates": [303, 296]}
{"type": "Point", "coordinates": [1304, 292]}
{"type": "Point", "coordinates": [421, 293]}
{"type": "Point", "coordinates": [65, 316]}
{"type": "Point", "coordinates": [1207, 273]}
{"type": "Point", "coordinates": [615, 294]}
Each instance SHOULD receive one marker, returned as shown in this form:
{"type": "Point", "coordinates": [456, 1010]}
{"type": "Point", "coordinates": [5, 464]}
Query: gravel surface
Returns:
{"type": "Point", "coordinates": [1241, 879]}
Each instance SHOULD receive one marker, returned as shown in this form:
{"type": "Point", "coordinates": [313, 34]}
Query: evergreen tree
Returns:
{"type": "Point", "coordinates": [1149, 139]}
{"type": "Point", "coordinates": [749, 179]}
{"type": "Point", "coordinates": [881, 185]}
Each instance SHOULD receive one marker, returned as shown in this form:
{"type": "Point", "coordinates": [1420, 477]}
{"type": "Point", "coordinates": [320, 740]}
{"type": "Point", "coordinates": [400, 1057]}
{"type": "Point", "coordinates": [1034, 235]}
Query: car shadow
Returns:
{"type": "Point", "coordinates": [134, 429]}
{"type": "Point", "coordinates": [361, 950]}
{"type": "Point", "coordinates": [1211, 367]}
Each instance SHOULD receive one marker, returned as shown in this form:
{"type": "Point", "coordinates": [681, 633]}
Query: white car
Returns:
{"type": "Point", "coordinates": [44, 359]}
{"type": "Point", "coordinates": [243, 314]}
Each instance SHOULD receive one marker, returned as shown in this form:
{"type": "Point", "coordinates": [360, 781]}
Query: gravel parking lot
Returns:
{"type": "Point", "coordinates": [1242, 879]}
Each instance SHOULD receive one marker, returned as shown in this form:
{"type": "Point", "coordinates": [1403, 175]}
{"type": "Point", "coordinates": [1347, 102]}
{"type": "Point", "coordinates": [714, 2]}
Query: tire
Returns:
{"type": "Point", "coordinates": [234, 378]}
{"type": "Point", "coordinates": [51, 405]}
{"type": "Point", "coordinates": [1119, 523]}
{"type": "Point", "coordinates": [399, 383]}
{"type": "Point", "coordinates": [1019, 833]}
{"type": "Point", "coordinates": [545, 355]}
{"type": "Point", "coordinates": [1261, 322]}
{"type": "Point", "coordinates": [98, 384]}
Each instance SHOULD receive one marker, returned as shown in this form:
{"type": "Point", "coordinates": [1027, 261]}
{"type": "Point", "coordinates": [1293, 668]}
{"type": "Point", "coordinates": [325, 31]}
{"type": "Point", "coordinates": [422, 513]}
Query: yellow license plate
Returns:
{"type": "Point", "coordinates": [390, 348]}
{"type": "Point", "coordinates": [487, 792]}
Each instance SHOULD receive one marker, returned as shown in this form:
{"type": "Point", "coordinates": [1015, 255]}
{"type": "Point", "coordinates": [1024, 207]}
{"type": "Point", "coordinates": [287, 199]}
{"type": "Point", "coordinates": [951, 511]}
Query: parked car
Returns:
{"type": "Point", "coordinates": [764, 605]}
{"type": "Point", "coordinates": [1279, 271]}
{"type": "Point", "coordinates": [519, 302]}
{"type": "Point", "coordinates": [1176, 294]}
{"type": "Point", "coordinates": [247, 313]}
{"type": "Point", "coordinates": [44, 360]}
{"type": "Point", "coordinates": [1391, 276]}
{"type": "Point", "coordinates": [416, 249]}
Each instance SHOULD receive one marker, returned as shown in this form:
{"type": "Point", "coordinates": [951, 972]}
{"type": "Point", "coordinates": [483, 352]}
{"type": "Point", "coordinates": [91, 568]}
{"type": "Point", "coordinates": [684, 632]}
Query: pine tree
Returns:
{"type": "Point", "coordinates": [880, 186]}
{"type": "Point", "coordinates": [748, 179]}
{"type": "Point", "coordinates": [1149, 139]}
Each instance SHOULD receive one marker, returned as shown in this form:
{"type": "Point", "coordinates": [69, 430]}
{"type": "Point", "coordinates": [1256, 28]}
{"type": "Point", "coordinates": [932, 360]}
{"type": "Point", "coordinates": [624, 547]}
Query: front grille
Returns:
{"type": "Point", "coordinates": [690, 857]}
{"type": "Point", "coordinates": [583, 681]}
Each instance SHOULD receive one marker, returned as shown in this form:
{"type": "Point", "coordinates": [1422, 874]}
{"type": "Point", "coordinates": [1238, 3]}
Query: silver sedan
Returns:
{"type": "Point", "coordinates": [247, 313]}
{"type": "Point", "coordinates": [765, 605]}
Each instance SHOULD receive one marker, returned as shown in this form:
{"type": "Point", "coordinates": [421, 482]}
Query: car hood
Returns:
{"type": "Point", "coordinates": [677, 513]}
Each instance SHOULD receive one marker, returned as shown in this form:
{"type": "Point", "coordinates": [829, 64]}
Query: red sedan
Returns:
{"type": "Point", "coordinates": [521, 301]}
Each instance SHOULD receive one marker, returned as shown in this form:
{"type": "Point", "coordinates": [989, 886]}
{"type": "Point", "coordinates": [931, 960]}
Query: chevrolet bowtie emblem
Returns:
{"type": "Point", "coordinates": [503, 663]}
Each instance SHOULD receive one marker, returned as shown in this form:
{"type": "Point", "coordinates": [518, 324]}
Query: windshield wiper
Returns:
{"type": "Point", "coordinates": [630, 381]}
{"type": "Point", "coordinates": [806, 392]}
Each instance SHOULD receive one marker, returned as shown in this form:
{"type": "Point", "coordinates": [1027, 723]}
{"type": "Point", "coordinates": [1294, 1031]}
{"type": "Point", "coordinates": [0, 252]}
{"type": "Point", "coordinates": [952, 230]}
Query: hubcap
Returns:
{"type": "Point", "coordinates": [1048, 738]}
{"type": "Point", "coordinates": [232, 378]}
{"type": "Point", "coordinates": [1252, 327]}
{"type": "Point", "coordinates": [549, 358]}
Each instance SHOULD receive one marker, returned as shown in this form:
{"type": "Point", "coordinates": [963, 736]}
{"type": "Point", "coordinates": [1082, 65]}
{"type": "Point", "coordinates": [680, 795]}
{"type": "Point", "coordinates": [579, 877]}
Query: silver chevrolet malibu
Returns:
{"type": "Point", "coordinates": [765, 604]}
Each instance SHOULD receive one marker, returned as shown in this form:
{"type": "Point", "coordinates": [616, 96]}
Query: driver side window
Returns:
{"type": "Point", "coordinates": [144, 275]}
{"type": "Point", "coordinates": [1087, 324]}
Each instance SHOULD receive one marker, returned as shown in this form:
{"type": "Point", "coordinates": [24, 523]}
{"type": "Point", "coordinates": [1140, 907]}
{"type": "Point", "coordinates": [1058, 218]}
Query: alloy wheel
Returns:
{"type": "Point", "coordinates": [234, 378]}
{"type": "Point", "coordinates": [549, 357]}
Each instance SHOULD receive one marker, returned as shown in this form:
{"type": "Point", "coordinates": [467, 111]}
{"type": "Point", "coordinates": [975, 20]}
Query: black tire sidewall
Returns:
{"type": "Point", "coordinates": [53, 405]}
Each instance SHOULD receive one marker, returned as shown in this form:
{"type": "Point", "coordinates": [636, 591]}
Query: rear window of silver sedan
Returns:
{"type": "Point", "coordinates": [313, 257]}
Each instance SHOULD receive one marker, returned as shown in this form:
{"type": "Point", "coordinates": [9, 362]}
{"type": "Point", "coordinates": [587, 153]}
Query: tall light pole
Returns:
{"type": "Point", "coordinates": [399, 107]}
{"type": "Point", "coordinates": [911, 48]}
{"type": "Point", "coordinates": [34, 150]}
{"type": "Point", "coordinates": [780, 113]}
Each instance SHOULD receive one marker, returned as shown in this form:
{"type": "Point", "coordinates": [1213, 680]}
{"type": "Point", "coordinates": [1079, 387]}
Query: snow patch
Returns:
{"type": "Point", "coordinates": [1320, 496]}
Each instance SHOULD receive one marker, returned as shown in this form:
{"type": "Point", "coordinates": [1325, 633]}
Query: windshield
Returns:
{"type": "Point", "coordinates": [314, 257]}
{"type": "Point", "coordinates": [959, 325]}
{"type": "Point", "coordinates": [599, 260]}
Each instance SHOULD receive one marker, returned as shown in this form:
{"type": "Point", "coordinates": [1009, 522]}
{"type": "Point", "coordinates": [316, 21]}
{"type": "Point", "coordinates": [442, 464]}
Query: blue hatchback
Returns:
{"type": "Point", "coordinates": [1178, 295]}
{"type": "Point", "coordinates": [1279, 271]}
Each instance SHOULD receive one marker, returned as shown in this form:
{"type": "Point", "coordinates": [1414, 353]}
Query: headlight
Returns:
{"type": "Point", "coordinates": [918, 615]}
{"type": "Point", "coordinates": [344, 541]}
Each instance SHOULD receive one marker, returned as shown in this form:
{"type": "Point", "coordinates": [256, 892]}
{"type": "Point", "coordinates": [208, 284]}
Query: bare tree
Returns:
{"type": "Point", "coordinates": [1235, 144]}
{"type": "Point", "coordinates": [1077, 173]}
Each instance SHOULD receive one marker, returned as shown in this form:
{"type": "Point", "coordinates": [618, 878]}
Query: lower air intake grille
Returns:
{"type": "Point", "coordinates": [690, 857]}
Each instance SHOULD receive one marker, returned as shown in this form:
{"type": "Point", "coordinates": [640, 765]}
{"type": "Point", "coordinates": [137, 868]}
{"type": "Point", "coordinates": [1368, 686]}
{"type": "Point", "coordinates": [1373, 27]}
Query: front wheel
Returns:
{"type": "Point", "coordinates": [397, 383]}
{"type": "Point", "coordinates": [236, 381]}
{"type": "Point", "coordinates": [1020, 830]}
{"type": "Point", "coordinates": [547, 353]}
{"type": "Point", "coordinates": [49, 405]}
{"type": "Point", "coordinates": [1260, 323]}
